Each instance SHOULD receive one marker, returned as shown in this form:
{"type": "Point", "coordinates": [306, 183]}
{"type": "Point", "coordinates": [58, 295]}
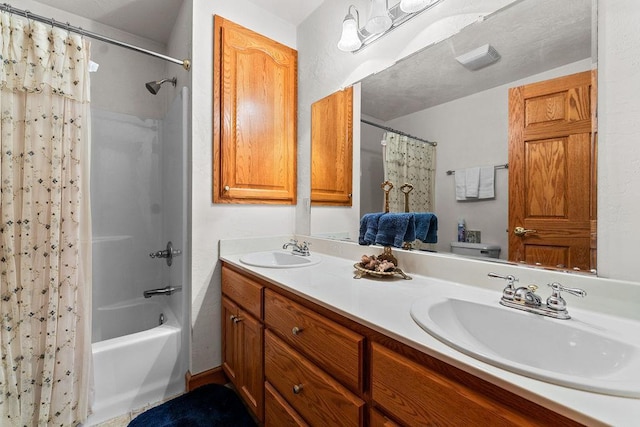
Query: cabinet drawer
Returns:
{"type": "Point", "coordinates": [379, 420]}
{"type": "Point", "coordinates": [314, 394]}
{"type": "Point", "coordinates": [277, 411]}
{"type": "Point", "coordinates": [419, 396]}
{"type": "Point", "coordinates": [333, 347]}
{"type": "Point", "coordinates": [243, 291]}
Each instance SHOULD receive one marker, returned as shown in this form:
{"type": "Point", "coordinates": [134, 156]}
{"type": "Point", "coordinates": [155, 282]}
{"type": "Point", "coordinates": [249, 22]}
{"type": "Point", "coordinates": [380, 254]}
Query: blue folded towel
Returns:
{"type": "Point", "coordinates": [426, 227]}
{"type": "Point", "coordinates": [369, 228]}
{"type": "Point", "coordinates": [396, 228]}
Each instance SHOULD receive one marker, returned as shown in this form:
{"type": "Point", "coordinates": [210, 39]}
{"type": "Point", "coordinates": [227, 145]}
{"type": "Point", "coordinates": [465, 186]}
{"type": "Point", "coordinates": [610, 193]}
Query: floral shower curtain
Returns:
{"type": "Point", "coordinates": [407, 160]}
{"type": "Point", "coordinates": [45, 277]}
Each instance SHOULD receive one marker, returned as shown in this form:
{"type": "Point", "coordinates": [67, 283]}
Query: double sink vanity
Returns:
{"type": "Point", "coordinates": [439, 349]}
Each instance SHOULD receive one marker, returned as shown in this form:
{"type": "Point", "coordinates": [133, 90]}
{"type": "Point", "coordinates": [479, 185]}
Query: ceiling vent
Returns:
{"type": "Point", "coordinates": [479, 58]}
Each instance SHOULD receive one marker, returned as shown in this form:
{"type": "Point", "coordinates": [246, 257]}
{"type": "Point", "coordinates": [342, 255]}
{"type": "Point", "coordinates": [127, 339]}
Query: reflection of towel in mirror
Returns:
{"type": "Point", "coordinates": [396, 228]}
{"type": "Point", "coordinates": [369, 228]}
{"type": "Point", "coordinates": [486, 188]}
{"type": "Point", "coordinates": [426, 227]}
{"type": "Point", "coordinates": [471, 182]}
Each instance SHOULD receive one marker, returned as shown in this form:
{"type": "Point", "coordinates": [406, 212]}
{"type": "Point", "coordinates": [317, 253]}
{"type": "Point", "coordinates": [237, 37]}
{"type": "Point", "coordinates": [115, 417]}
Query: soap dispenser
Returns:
{"type": "Point", "coordinates": [462, 230]}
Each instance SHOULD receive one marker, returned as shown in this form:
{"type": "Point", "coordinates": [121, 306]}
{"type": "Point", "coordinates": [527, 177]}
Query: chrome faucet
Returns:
{"type": "Point", "coordinates": [298, 249]}
{"type": "Point", "coordinates": [525, 298]}
{"type": "Point", "coordinates": [169, 290]}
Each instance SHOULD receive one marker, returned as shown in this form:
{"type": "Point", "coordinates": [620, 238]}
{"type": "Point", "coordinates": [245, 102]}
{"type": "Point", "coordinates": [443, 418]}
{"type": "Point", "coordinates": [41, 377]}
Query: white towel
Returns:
{"type": "Point", "coordinates": [472, 182]}
{"type": "Point", "coordinates": [486, 189]}
{"type": "Point", "coordinates": [459, 176]}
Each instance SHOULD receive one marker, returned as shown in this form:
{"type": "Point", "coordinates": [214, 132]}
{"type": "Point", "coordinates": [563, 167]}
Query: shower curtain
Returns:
{"type": "Point", "coordinates": [44, 225]}
{"type": "Point", "coordinates": [407, 160]}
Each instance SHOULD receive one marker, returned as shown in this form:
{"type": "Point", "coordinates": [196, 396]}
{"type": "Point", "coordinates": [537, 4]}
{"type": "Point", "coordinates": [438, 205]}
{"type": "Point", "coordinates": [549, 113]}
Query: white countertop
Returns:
{"type": "Point", "coordinates": [384, 305]}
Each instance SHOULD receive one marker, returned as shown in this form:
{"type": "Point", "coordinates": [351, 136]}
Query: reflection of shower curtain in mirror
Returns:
{"type": "Point", "coordinates": [407, 160]}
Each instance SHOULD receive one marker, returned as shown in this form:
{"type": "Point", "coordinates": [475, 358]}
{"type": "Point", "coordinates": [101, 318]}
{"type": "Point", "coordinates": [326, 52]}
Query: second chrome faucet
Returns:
{"type": "Point", "coordinates": [525, 298]}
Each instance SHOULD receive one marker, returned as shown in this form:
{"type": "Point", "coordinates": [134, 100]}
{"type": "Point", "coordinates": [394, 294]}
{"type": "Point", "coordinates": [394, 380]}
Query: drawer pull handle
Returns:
{"type": "Point", "coordinates": [296, 330]}
{"type": "Point", "coordinates": [235, 319]}
{"type": "Point", "coordinates": [297, 389]}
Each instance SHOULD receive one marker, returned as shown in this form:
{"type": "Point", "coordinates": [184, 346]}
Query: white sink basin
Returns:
{"type": "Point", "coordinates": [279, 259]}
{"type": "Point", "coordinates": [590, 351]}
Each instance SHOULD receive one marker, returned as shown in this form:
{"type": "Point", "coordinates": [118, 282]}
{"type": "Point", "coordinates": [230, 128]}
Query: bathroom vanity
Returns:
{"type": "Point", "coordinates": [328, 349]}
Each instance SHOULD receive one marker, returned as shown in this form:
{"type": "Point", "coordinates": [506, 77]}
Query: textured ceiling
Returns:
{"type": "Point", "coordinates": [154, 19]}
{"type": "Point", "coordinates": [531, 36]}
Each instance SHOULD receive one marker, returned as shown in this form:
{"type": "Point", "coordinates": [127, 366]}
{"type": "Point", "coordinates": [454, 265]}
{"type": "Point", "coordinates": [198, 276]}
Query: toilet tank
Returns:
{"type": "Point", "coordinates": [486, 250]}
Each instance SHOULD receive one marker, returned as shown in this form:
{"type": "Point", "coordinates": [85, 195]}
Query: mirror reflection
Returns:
{"type": "Point", "coordinates": [432, 96]}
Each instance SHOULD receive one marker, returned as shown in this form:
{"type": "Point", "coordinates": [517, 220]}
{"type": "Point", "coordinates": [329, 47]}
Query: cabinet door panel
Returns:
{"type": "Point", "coordinates": [255, 96]}
{"type": "Point", "coordinates": [332, 149]}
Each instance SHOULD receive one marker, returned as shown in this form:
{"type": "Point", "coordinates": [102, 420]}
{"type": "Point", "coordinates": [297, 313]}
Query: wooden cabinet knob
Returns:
{"type": "Point", "coordinates": [297, 389]}
{"type": "Point", "coordinates": [296, 330]}
{"type": "Point", "coordinates": [227, 188]}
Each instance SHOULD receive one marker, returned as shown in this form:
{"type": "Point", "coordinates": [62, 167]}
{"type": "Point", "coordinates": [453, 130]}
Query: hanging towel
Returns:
{"type": "Point", "coordinates": [396, 228]}
{"type": "Point", "coordinates": [426, 227]}
{"type": "Point", "coordinates": [369, 228]}
{"type": "Point", "coordinates": [460, 178]}
{"type": "Point", "coordinates": [471, 182]}
{"type": "Point", "coordinates": [486, 188]}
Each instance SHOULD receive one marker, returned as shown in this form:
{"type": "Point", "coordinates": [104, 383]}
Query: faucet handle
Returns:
{"type": "Point", "coordinates": [509, 291]}
{"type": "Point", "coordinates": [556, 302]}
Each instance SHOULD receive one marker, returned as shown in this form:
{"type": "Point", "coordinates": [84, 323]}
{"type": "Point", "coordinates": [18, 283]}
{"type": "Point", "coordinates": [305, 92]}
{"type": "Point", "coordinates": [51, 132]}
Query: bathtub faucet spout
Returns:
{"type": "Point", "coordinates": [169, 290]}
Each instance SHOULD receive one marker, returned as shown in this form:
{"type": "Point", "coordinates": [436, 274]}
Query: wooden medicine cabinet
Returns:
{"type": "Point", "coordinates": [254, 117]}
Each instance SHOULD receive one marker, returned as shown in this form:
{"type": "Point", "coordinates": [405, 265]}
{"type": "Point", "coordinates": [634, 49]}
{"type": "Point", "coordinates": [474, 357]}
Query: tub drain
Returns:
{"type": "Point", "coordinates": [161, 320]}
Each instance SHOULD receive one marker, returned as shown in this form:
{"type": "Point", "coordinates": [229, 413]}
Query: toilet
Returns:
{"type": "Point", "coordinates": [485, 250]}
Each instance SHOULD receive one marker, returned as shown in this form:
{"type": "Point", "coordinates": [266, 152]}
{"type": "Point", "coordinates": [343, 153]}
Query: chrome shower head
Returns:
{"type": "Point", "coordinates": [154, 87]}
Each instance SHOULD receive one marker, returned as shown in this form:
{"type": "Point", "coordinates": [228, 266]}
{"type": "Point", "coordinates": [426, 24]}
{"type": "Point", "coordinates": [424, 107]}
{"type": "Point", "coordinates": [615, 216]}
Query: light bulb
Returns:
{"type": "Point", "coordinates": [349, 41]}
{"type": "Point", "coordinates": [379, 19]}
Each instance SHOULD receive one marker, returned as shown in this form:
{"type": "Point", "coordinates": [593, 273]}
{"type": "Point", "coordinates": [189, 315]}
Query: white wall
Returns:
{"type": "Point", "coordinates": [324, 69]}
{"type": "Point", "coordinates": [619, 133]}
{"type": "Point", "coordinates": [212, 222]}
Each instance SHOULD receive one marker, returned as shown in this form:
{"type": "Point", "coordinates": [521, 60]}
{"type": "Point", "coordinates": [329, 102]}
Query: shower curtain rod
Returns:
{"type": "Point", "coordinates": [388, 129]}
{"type": "Point", "coordinates": [186, 64]}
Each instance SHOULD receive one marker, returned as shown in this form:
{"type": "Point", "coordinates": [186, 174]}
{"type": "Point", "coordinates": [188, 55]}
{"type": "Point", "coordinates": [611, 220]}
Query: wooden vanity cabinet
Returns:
{"type": "Point", "coordinates": [254, 117]}
{"type": "Point", "coordinates": [243, 337]}
{"type": "Point", "coordinates": [322, 369]}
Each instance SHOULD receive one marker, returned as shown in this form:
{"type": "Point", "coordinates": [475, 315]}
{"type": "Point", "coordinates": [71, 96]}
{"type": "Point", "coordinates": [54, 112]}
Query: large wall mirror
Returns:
{"type": "Point", "coordinates": [432, 96]}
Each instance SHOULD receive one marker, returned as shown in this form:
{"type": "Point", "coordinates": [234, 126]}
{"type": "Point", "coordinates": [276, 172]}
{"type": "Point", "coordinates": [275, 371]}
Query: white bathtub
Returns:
{"type": "Point", "coordinates": [135, 370]}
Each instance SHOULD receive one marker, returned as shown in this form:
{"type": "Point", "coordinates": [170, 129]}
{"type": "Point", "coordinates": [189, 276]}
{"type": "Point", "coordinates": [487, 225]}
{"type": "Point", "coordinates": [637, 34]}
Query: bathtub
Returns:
{"type": "Point", "coordinates": [138, 369]}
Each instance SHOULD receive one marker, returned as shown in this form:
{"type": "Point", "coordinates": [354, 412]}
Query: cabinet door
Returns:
{"type": "Point", "coordinates": [332, 149]}
{"type": "Point", "coordinates": [229, 340]}
{"type": "Point", "coordinates": [251, 374]}
{"type": "Point", "coordinates": [254, 120]}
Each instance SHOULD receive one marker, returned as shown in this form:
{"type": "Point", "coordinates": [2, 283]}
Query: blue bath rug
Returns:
{"type": "Point", "coordinates": [211, 405]}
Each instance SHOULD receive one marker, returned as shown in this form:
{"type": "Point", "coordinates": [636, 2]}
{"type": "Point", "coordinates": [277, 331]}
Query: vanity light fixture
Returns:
{"type": "Point", "coordinates": [382, 19]}
{"type": "Point", "coordinates": [412, 6]}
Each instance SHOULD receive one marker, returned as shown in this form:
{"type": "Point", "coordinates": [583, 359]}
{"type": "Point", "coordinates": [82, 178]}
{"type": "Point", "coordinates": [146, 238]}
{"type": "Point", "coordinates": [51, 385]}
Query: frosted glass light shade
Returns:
{"type": "Point", "coordinates": [349, 41]}
{"type": "Point", "coordinates": [411, 6]}
{"type": "Point", "coordinates": [379, 19]}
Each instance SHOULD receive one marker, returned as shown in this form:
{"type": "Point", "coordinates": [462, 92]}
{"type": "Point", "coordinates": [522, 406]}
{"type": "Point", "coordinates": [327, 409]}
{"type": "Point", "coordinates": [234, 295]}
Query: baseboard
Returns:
{"type": "Point", "coordinates": [212, 376]}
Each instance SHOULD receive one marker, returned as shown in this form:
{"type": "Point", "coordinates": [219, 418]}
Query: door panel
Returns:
{"type": "Point", "coordinates": [551, 173]}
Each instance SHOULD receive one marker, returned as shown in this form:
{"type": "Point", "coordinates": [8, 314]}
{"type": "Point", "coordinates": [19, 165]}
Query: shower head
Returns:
{"type": "Point", "coordinates": [154, 87]}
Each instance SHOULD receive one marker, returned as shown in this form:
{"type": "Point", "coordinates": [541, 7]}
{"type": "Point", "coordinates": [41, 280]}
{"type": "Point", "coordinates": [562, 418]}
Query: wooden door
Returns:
{"type": "Point", "coordinates": [552, 173]}
{"type": "Point", "coordinates": [254, 117]}
{"type": "Point", "coordinates": [332, 149]}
